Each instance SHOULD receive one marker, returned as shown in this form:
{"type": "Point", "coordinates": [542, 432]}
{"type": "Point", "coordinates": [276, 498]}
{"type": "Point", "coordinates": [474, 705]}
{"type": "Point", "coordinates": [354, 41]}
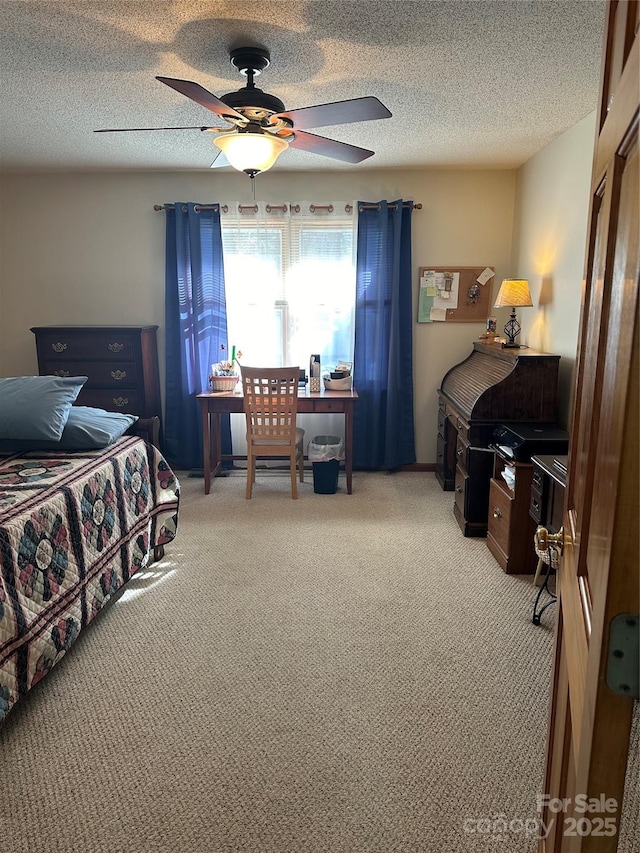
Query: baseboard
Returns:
{"type": "Point", "coordinates": [419, 466]}
{"type": "Point", "coordinates": [415, 467]}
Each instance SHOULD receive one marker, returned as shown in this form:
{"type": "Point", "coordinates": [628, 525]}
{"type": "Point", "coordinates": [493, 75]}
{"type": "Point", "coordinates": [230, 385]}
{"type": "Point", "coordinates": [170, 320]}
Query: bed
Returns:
{"type": "Point", "coordinates": [75, 525]}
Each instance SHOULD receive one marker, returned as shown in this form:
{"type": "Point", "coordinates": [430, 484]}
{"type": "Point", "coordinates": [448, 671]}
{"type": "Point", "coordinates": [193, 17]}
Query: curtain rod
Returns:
{"type": "Point", "coordinates": [294, 208]}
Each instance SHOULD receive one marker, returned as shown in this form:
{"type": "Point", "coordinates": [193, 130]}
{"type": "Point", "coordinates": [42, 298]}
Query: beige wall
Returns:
{"type": "Point", "coordinates": [550, 229]}
{"type": "Point", "coordinates": [88, 248]}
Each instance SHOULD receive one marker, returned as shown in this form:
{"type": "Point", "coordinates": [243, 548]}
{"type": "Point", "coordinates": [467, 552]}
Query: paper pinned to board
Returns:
{"type": "Point", "coordinates": [438, 314]}
{"type": "Point", "coordinates": [447, 285]}
{"type": "Point", "coordinates": [486, 274]}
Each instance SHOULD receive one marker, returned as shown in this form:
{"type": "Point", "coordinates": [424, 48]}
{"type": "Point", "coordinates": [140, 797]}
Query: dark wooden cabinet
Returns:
{"type": "Point", "coordinates": [492, 386]}
{"type": "Point", "coordinates": [473, 465]}
{"type": "Point", "coordinates": [547, 491]}
{"type": "Point", "coordinates": [121, 363]}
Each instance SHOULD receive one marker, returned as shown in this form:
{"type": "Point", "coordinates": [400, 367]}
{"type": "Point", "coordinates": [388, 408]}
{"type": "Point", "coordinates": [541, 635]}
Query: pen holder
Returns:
{"type": "Point", "coordinates": [314, 384]}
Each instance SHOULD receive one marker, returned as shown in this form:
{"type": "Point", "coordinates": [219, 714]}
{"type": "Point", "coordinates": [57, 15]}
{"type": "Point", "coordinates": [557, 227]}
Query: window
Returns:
{"type": "Point", "coordinates": [290, 283]}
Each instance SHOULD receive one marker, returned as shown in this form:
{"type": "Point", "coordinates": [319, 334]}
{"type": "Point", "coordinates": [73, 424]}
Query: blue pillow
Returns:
{"type": "Point", "coordinates": [90, 429]}
{"type": "Point", "coordinates": [86, 429]}
{"type": "Point", "coordinates": [37, 407]}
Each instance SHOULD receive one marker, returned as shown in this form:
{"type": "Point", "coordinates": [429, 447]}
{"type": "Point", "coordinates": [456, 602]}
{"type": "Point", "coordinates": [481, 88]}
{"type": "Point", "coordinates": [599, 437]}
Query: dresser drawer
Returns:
{"type": "Point", "coordinates": [441, 419]}
{"type": "Point", "coordinates": [120, 374]}
{"type": "Point", "coordinates": [328, 406]}
{"type": "Point", "coordinates": [125, 400]}
{"type": "Point", "coordinates": [499, 515]}
{"type": "Point", "coordinates": [461, 490]}
{"type": "Point", "coordinates": [462, 449]}
{"type": "Point", "coordinates": [463, 428]}
{"type": "Point", "coordinates": [71, 345]}
{"type": "Point", "coordinates": [536, 507]}
{"type": "Point", "coordinates": [537, 481]}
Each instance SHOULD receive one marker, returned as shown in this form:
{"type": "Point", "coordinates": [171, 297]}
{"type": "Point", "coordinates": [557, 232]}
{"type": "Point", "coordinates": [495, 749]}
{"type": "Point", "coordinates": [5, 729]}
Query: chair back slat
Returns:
{"type": "Point", "coordinates": [270, 402]}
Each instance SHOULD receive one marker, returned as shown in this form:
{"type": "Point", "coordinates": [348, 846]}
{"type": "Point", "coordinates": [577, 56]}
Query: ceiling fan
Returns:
{"type": "Point", "coordinates": [259, 128]}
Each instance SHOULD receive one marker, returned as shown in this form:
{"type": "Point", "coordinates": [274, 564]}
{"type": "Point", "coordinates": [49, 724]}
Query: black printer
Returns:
{"type": "Point", "coordinates": [522, 441]}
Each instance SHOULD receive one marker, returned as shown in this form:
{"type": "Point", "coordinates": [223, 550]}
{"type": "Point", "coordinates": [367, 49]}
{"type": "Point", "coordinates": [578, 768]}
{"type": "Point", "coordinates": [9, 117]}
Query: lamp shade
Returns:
{"type": "Point", "coordinates": [251, 152]}
{"type": "Point", "coordinates": [513, 292]}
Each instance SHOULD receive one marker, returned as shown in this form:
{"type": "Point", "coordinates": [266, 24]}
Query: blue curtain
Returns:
{"type": "Point", "coordinates": [196, 324]}
{"type": "Point", "coordinates": [383, 361]}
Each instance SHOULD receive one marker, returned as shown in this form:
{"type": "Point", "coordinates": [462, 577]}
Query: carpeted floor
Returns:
{"type": "Point", "coordinates": [337, 674]}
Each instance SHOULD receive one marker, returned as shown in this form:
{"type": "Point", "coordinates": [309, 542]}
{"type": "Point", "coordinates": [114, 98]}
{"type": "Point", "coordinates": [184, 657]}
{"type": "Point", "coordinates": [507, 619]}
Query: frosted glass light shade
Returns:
{"type": "Point", "coordinates": [251, 152]}
{"type": "Point", "coordinates": [514, 292]}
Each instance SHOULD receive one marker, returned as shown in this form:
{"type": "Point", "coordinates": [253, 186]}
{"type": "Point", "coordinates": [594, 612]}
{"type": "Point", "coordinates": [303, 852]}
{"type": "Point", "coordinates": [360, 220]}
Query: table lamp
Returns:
{"type": "Point", "coordinates": [514, 292]}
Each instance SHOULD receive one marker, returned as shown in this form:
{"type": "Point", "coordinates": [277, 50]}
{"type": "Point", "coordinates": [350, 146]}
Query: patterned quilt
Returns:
{"type": "Point", "coordinates": [74, 527]}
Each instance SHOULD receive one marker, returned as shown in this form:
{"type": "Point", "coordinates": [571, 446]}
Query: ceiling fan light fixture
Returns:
{"type": "Point", "coordinates": [251, 152]}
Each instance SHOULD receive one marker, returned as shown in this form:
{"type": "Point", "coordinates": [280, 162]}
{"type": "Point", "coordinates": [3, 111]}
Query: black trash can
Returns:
{"type": "Point", "coordinates": [325, 452]}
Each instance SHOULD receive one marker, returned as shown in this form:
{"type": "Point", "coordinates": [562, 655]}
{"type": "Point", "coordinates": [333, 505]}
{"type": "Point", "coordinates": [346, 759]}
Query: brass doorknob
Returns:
{"type": "Point", "coordinates": [543, 539]}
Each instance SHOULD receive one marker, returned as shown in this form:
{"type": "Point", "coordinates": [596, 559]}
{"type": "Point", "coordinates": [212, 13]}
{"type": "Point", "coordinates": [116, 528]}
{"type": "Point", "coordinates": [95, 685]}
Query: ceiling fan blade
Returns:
{"type": "Point", "coordinates": [329, 147]}
{"type": "Point", "coordinates": [219, 160]}
{"type": "Point", "coordinates": [340, 112]}
{"type": "Point", "coordinates": [201, 96]}
{"type": "Point", "coordinates": [131, 129]}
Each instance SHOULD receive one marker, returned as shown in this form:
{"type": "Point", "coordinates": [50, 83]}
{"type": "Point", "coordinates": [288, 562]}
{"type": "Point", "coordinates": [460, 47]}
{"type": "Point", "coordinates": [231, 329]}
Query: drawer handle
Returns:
{"type": "Point", "coordinates": [459, 451]}
{"type": "Point", "coordinates": [535, 504]}
{"type": "Point", "coordinates": [119, 375]}
{"type": "Point", "coordinates": [459, 489]}
{"type": "Point", "coordinates": [537, 479]}
{"type": "Point", "coordinates": [116, 347]}
{"type": "Point", "coordinates": [62, 373]}
{"type": "Point", "coordinates": [58, 346]}
{"type": "Point", "coordinates": [120, 401]}
{"type": "Point", "coordinates": [497, 513]}
{"type": "Point", "coordinates": [439, 455]}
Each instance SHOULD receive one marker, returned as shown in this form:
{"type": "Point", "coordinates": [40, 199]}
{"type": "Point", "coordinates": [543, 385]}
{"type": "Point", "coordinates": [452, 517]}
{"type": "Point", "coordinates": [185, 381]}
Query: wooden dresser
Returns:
{"type": "Point", "coordinates": [492, 386]}
{"type": "Point", "coordinates": [120, 361]}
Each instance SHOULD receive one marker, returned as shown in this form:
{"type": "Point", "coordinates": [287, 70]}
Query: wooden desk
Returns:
{"type": "Point", "coordinates": [214, 404]}
{"type": "Point", "coordinates": [510, 530]}
{"type": "Point", "coordinates": [547, 491]}
{"type": "Point", "coordinates": [492, 386]}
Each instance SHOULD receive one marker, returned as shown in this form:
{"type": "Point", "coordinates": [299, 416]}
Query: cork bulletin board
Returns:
{"type": "Point", "coordinates": [455, 294]}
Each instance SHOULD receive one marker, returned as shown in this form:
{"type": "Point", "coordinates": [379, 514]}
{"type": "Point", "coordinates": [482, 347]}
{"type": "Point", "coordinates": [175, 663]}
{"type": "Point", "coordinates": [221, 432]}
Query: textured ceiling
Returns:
{"type": "Point", "coordinates": [469, 84]}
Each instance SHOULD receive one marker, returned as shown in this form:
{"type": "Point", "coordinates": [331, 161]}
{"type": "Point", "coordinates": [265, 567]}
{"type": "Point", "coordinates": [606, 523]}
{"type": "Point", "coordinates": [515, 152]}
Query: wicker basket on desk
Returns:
{"type": "Point", "coordinates": [223, 383]}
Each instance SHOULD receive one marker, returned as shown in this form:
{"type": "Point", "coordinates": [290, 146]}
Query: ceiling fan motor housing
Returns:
{"type": "Point", "coordinates": [253, 97]}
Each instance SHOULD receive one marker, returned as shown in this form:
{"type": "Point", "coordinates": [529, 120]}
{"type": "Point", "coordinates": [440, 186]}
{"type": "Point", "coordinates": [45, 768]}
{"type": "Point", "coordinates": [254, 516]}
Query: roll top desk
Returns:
{"type": "Point", "coordinates": [491, 386]}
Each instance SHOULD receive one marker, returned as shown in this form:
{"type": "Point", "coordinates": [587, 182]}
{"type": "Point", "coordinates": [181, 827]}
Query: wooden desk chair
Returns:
{"type": "Point", "coordinates": [270, 406]}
